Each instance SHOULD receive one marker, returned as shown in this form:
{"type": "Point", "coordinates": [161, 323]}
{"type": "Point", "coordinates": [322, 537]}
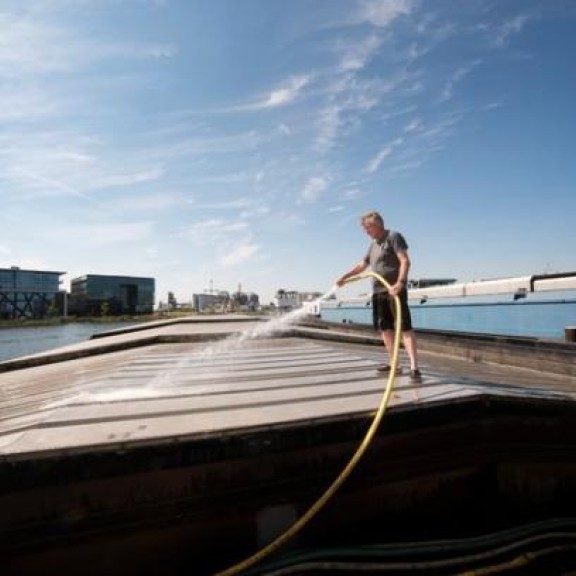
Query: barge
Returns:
{"type": "Point", "coordinates": [542, 306]}
{"type": "Point", "coordinates": [186, 447]}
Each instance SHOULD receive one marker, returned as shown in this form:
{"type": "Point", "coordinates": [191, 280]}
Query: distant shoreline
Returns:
{"type": "Point", "coordinates": [34, 323]}
{"type": "Point", "coordinates": [136, 319]}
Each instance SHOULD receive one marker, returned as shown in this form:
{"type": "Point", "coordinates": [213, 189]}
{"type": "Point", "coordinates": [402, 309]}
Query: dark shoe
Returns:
{"type": "Point", "coordinates": [415, 375]}
{"type": "Point", "coordinates": [385, 368]}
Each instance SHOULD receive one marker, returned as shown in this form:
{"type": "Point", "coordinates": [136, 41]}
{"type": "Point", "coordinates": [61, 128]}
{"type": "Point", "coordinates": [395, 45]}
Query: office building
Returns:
{"type": "Point", "coordinates": [100, 295]}
{"type": "Point", "coordinates": [29, 293]}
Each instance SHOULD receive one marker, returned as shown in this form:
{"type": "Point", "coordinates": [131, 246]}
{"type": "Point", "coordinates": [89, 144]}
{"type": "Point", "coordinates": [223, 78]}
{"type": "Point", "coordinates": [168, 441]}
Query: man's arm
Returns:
{"type": "Point", "coordinates": [403, 270]}
{"type": "Point", "coordinates": [358, 269]}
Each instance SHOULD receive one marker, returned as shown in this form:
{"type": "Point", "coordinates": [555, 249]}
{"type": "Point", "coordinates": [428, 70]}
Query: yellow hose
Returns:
{"type": "Point", "coordinates": [331, 490]}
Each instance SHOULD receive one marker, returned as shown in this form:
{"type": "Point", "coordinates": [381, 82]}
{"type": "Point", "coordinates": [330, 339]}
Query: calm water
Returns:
{"type": "Point", "coordinates": [15, 342]}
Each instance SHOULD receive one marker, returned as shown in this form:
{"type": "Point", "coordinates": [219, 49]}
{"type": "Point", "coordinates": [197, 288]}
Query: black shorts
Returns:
{"type": "Point", "coordinates": [383, 311]}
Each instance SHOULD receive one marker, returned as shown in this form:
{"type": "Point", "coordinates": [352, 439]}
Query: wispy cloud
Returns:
{"type": "Point", "coordinates": [43, 164]}
{"type": "Point", "coordinates": [146, 202]}
{"type": "Point", "coordinates": [313, 189]}
{"type": "Point", "coordinates": [456, 77]}
{"type": "Point", "coordinates": [413, 125]}
{"type": "Point", "coordinates": [382, 13]}
{"type": "Point", "coordinates": [352, 93]}
{"type": "Point", "coordinates": [240, 254]}
{"type": "Point", "coordinates": [41, 186]}
{"type": "Point", "coordinates": [384, 153]}
{"type": "Point", "coordinates": [95, 234]}
{"type": "Point", "coordinates": [287, 94]}
{"type": "Point", "coordinates": [102, 123]}
{"type": "Point", "coordinates": [130, 178]}
{"type": "Point", "coordinates": [503, 32]}
{"type": "Point", "coordinates": [32, 44]}
{"type": "Point", "coordinates": [355, 56]}
{"type": "Point", "coordinates": [211, 232]}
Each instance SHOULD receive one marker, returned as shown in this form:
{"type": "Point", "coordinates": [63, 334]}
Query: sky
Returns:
{"type": "Point", "coordinates": [235, 144]}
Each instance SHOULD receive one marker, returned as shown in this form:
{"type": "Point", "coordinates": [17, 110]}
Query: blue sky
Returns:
{"type": "Point", "coordinates": [237, 142]}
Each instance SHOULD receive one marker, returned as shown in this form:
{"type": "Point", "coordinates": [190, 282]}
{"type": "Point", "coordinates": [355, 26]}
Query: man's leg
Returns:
{"type": "Point", "coordinates": [388, 339]}
{"type": "Point", "coordinates": [409, 340]}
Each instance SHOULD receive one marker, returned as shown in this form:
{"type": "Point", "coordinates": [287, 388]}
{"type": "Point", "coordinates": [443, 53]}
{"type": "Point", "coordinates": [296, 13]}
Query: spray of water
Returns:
{"type": "Point", "coordinates": [213, 358]}
{"type": "Point", "coordinates": [263, 330]}
{"type": "Point", "coordinates": [205, 357]}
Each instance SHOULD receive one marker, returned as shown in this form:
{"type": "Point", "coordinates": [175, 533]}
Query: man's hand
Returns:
{"type": "Point", "coordinates": [395, 289]}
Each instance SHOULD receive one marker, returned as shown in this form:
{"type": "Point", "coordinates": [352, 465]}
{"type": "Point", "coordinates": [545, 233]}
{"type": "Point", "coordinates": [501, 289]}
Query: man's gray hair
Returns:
{"type": "Point", "coordinates": [373, 217]}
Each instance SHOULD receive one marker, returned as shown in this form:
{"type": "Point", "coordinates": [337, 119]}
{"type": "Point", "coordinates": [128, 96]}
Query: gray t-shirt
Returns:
{"type": "Point", "coordinates": [381, 257]}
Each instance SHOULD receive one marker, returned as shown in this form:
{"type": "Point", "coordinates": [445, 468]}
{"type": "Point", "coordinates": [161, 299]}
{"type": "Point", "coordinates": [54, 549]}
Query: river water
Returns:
{"type": "Point", "coordinates": [22, 341]}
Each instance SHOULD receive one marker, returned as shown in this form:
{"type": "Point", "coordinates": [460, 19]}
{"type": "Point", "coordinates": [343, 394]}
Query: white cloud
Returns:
{"type": "Point", "coordinates": [254, 212]}
{"type": "Point", "coordinates": [458, 76]}
{"type": "Point", "coordinates": [351, 97]}
{"type": "Point", "coordinates": [33, 45]}
{"type": "Point", "coordinates": [240, 254]}
{"type": "Point", "coordinates": [357, 55]}
{"type": "Point", "coordinates": [97, 234]}
{"type": "Point", "coordinates": [506, 30]}
{"type": "Point", "coordinates": [146, 202]}
{"type": "Point", "coordinates": [351, 194]}
{"type": "Point", "coordinates": [212, 232]}
{"type": "Point", "coordinates": [288, 93]}
{"type": "Point", "coordinates": [26, 103]}
{"type": "Point", "coordinates": [35, 185]}
{"type": "Point", "coordinates": [313, 189]}
{"type": "Point", "coordinates": [382, 13]}
{"type": "Point", "coordinates": [28, 46]}
{"type": "Point", "coordinates": [414, 125]}
{"type": "Point", "coordinates": [277, 98]}
{"type": "Point", "coordinates": [129, 178]}
{"type": "Point", "coordinates": [138, 51]}
{"type": "Point", "coordinates": [384, 153]}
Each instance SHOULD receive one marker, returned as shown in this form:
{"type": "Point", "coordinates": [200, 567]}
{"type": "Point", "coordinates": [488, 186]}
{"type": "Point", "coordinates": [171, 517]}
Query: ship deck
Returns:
{"type": "Point", "coordinates": [151, 385]}
{"type": "Point", "coordinates": [193, 443]}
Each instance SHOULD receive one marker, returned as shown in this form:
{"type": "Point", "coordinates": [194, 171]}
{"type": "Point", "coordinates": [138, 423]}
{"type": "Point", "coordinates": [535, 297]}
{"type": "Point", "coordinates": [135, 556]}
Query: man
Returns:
{"type": "Point", "coordinates": [388, 257]}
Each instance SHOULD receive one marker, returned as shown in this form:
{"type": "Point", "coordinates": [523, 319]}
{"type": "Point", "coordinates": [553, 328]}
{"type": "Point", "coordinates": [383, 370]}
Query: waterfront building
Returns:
{"type": "Point", "coordinates": [221, 302]}
{"type": "Point", "coordinates": [245, 301]}
{"type": "Point", "coordinates": [29, 293]}
{"type": "Point", "coordinates": [102, 295]}
{"type": "Point", "coordinates": [286, 300]}
{"type": "Point", "coordinates": [211, 302]}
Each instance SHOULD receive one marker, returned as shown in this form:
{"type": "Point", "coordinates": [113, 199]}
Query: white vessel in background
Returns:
{"type": "Point", "coordinates": [540, 305]}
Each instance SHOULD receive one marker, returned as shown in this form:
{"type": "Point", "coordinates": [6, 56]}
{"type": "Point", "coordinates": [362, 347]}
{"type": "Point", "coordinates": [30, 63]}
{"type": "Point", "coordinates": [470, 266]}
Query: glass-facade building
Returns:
{"type": "Point", "coordinates": [29, 293]}
{"type": "Point", "coordinates": [99, 294]}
